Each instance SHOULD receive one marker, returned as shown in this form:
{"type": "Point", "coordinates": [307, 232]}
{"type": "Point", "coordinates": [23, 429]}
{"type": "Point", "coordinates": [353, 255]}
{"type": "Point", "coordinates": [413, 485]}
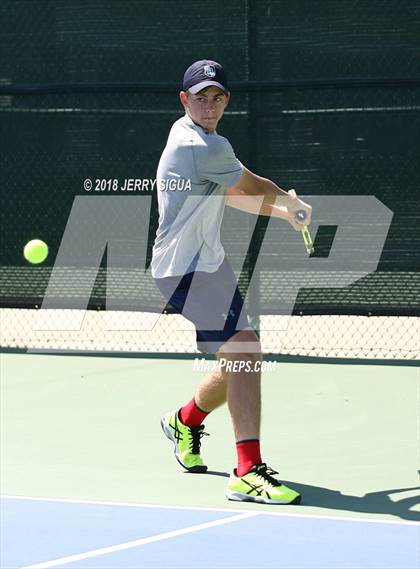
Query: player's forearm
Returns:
{"type": "Point", "coordinates": [274, 210]}
{"type": "Point", "coordinates": [253, 185]}
{"type": "Point", "coordinates": [255, 205]}
{"type": "Point", "coordinates": [272, 194]}
{"type": "Point", "coordinates": [269, 210]}
{"type": "Point", "coordinates": [271, 199]}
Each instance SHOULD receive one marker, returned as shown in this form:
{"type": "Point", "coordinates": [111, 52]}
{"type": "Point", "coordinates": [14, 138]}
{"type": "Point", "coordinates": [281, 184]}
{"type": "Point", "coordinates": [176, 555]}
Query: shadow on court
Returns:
{"type": "Point", "coordinates": [217, 473]}
{"type": "Point", "coordinates": [373, 502]}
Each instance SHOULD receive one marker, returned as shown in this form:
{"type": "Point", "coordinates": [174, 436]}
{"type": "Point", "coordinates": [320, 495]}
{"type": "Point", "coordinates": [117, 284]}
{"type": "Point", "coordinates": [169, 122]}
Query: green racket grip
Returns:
{"type": "Point", "coordinates": [309, 244]}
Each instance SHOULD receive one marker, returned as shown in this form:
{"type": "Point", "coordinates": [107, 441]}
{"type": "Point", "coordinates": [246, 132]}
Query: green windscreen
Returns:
{"type": "Point", "coordinates": [325, 99]}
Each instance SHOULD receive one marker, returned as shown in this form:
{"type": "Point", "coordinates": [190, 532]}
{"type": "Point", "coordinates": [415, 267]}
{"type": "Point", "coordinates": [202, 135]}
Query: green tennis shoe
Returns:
{"type": "Point", "coordinates": [187, 441]}
{"type": "Point", "coordinates": [258, 485]}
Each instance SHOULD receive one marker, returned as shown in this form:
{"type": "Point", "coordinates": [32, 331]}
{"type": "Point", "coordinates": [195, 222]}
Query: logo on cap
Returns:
{"type": "Point", "coordinates": [210, 71]}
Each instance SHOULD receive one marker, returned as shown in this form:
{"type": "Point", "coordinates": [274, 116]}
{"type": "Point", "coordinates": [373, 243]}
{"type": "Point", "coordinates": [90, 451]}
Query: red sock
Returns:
{"type": "Point", "coordinates": [248, 455]}
{"type": "Point", "coordinates": [191, 414]}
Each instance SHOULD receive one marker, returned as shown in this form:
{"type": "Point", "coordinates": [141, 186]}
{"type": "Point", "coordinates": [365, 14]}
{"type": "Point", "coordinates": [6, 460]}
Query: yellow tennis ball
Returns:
{"type": "Point", "coordinates": [36, 251]}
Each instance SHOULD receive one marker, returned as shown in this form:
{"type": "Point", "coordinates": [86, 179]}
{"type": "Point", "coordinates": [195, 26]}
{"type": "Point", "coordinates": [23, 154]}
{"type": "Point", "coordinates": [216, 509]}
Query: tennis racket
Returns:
{"type": "Point", "coordinates": [300, 215]}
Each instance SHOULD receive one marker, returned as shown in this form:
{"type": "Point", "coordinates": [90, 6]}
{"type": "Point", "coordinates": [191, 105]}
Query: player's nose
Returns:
{"type": "Point", "coordinates": [210, 107]}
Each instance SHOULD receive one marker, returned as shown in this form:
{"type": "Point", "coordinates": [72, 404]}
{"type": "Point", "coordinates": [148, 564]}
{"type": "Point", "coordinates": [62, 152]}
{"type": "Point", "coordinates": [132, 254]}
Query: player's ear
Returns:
{"type": "Point", "coordinates": [183, 98]}
{"type": "Point", "coordinates": [227, 100]}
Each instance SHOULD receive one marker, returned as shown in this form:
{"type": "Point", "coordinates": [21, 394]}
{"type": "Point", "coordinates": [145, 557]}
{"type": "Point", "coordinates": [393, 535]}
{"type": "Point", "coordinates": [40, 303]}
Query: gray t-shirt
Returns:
{"type": "Point", "coordinates": [194, 171]}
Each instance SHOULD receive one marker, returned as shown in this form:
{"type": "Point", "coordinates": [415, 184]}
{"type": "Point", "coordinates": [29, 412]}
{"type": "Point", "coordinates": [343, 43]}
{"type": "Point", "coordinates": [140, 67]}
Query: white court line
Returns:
{"type": "Point", "coordinates": [137, 542]}
{"type": "Point", "coordinates": [203, 509]}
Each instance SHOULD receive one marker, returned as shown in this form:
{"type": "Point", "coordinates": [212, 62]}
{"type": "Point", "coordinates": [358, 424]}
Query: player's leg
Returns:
{"type": "Point", "coordinates": [184, 427]}
{"type": "Point", "coordinates": [204, 299]}
{"type": "Point", "coordinates": [252, 480]}
{"type": "Point", "coordinates": [244, 385]}
{"type": "Point", "coordinates": [211, 392]}
{"type": "Point", "coordinates": [238, 358]}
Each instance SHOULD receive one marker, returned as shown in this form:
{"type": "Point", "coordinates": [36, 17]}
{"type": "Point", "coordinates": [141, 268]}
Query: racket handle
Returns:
{"type": "Point", "coordinates": [300, 215]}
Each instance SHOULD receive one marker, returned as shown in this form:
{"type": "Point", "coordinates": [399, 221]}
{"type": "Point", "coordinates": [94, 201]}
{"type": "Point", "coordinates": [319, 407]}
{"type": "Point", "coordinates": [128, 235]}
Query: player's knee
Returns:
{"type": "Point", "coordinates": [244, 343]}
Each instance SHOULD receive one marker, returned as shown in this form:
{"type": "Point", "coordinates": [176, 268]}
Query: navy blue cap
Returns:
{"type": "Point", "coordinates": [204, 73]}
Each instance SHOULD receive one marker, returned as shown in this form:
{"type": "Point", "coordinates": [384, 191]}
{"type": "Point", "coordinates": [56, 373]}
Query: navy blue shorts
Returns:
{"type": "Point", "coordinates": [211, 301]}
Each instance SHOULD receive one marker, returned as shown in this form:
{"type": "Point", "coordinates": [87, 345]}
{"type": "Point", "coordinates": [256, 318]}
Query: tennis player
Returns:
{"type": "Point", "coordinates": [191, 271]}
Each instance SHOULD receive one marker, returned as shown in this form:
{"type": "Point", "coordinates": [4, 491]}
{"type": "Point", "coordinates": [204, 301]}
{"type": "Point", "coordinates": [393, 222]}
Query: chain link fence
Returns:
{"type": "Point", "coordinates": [320, 336]}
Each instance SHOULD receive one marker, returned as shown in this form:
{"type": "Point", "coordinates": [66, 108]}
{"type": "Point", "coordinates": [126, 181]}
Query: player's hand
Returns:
{"type": "Point", "coordinates": [299, 213]}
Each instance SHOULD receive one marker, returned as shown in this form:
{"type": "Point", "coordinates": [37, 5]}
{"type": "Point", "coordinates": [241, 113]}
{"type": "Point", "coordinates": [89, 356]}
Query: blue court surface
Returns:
{"type": "Point", "coordinates": [41, 533]}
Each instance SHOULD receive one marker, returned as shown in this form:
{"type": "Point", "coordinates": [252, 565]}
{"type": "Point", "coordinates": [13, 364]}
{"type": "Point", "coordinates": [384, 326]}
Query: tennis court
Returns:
{"type": "Point", "coordinates": [90, 481]}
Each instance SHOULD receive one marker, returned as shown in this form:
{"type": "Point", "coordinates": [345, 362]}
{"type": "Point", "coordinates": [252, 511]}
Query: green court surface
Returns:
{"type": "Point", "coordinates": [87, 428]}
